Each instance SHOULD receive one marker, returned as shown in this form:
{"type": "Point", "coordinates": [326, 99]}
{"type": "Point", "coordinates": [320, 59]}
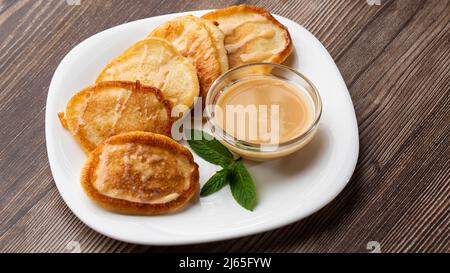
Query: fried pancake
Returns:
{"type": "Point", "coordinates": [193, 39]}
{"type": "Point", "coordinates": [156, 62]}
{"type": "Point", "coordinates": [140, 173]}
{"type": "Point", "coordinates": [251, 35]}
{"type": "Point", "coordinates": [219, 41]}
{"type": "Point", "coordinates": [109, 108]}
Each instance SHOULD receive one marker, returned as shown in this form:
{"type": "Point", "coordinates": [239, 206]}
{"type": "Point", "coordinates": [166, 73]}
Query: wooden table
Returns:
{"type": "Point", "coordinates": [394, 57]}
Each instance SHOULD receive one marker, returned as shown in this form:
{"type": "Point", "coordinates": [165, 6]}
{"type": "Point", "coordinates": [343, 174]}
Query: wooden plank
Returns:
{"type": "Point", "coordinates": [394, 57]}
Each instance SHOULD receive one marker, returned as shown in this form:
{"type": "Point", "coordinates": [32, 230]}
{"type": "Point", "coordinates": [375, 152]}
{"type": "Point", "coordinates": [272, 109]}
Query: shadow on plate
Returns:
{"type": "Point", "coordinates": [297, 162]}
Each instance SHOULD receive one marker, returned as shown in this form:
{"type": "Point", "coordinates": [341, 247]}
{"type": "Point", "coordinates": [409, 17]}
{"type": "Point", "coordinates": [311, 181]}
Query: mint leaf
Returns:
{"type": "Point", "coordinates": [216, 182]}
{"type": "Point", "coordinates": [242, 186]}
{"type": "Point", "coordinates": [208, 148]}
{"type": "Point", "coordinates": [234, 172]}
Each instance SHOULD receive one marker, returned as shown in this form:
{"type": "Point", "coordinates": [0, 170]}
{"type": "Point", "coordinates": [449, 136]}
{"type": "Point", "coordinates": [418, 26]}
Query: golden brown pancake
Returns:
{"type": "Point", "coordinates": [109, 108]}
{"type": "Point", "coordinates": [140, 173]}
{"type": "Point", "coordinates": [251, 35]}
{"type": "Point", "coordinates": [194, 40]}
{"type": "Point", "coordinates": [156, 62]}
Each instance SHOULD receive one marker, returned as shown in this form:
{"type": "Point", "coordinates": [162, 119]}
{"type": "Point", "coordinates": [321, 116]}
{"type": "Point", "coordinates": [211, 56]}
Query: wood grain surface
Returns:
{"type": "Point", "coordinates": [394, 57]}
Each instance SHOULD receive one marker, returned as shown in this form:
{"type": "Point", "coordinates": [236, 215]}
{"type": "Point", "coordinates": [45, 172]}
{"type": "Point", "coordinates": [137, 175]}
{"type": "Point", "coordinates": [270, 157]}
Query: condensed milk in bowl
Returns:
{"type": "Point", "coordinates": [263, 111]}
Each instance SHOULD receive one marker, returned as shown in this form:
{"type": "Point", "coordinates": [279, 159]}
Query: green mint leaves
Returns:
{"type": "Point", "coordinates": [233, 173]}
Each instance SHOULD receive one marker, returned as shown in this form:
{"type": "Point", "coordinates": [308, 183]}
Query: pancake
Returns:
{"type": "Point", "coordinates": [193, 40]}
{"type": "Point", "coordinates": [140, 173]}
{"type": "Point", "coordinates": [109, 108]}
{"type": "Point", "coordinates": [155, 62]}
{"type": "Point", "coordinates": [251, 35]}
{"type": "Point", "coordinates": [219, 41]}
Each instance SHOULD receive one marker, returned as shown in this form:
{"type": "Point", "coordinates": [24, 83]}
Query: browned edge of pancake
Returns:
{"type": "Point", "coordinates": [280, 57]}
{"type": "Point", "coordinates": [134, 86]}
{"type": "Point", "coordinates": [135, 208]}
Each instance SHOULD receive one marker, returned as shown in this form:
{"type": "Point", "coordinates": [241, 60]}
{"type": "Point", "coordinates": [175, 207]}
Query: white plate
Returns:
{"type": "Point", "coordinates": [289, 189]}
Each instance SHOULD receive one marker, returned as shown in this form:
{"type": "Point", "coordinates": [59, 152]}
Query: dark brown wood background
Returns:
{"type": "Point", "coordinates": [394, 57]}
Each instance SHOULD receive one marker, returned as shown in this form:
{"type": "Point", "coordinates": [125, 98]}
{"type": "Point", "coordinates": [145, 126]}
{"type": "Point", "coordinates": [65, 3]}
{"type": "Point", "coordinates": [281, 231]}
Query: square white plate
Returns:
{"type": "Point", "coordinates": [289, 189]}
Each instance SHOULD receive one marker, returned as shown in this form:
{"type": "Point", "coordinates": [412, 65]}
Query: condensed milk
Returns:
{"type": "Point", "coordinates": [263, 111]}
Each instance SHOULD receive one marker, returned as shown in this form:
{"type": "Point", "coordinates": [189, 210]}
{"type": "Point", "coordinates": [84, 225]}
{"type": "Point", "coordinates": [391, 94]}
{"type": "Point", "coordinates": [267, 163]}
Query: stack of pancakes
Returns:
{"type": "Point", "coordinates": [124, 120]}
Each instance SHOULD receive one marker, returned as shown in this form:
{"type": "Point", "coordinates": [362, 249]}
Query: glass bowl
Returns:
{"type": "Point", "coordinates": [253, 151]}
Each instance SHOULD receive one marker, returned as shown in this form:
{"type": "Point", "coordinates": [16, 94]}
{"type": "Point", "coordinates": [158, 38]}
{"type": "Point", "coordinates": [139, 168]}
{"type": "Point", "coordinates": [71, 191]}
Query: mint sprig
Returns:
{"type": "Point", "coordinates": [233, 173]}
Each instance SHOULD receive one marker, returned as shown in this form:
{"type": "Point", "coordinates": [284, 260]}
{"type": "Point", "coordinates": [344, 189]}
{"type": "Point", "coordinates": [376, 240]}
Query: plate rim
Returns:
{"type": "Point", "coordinates": [216, 237]}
